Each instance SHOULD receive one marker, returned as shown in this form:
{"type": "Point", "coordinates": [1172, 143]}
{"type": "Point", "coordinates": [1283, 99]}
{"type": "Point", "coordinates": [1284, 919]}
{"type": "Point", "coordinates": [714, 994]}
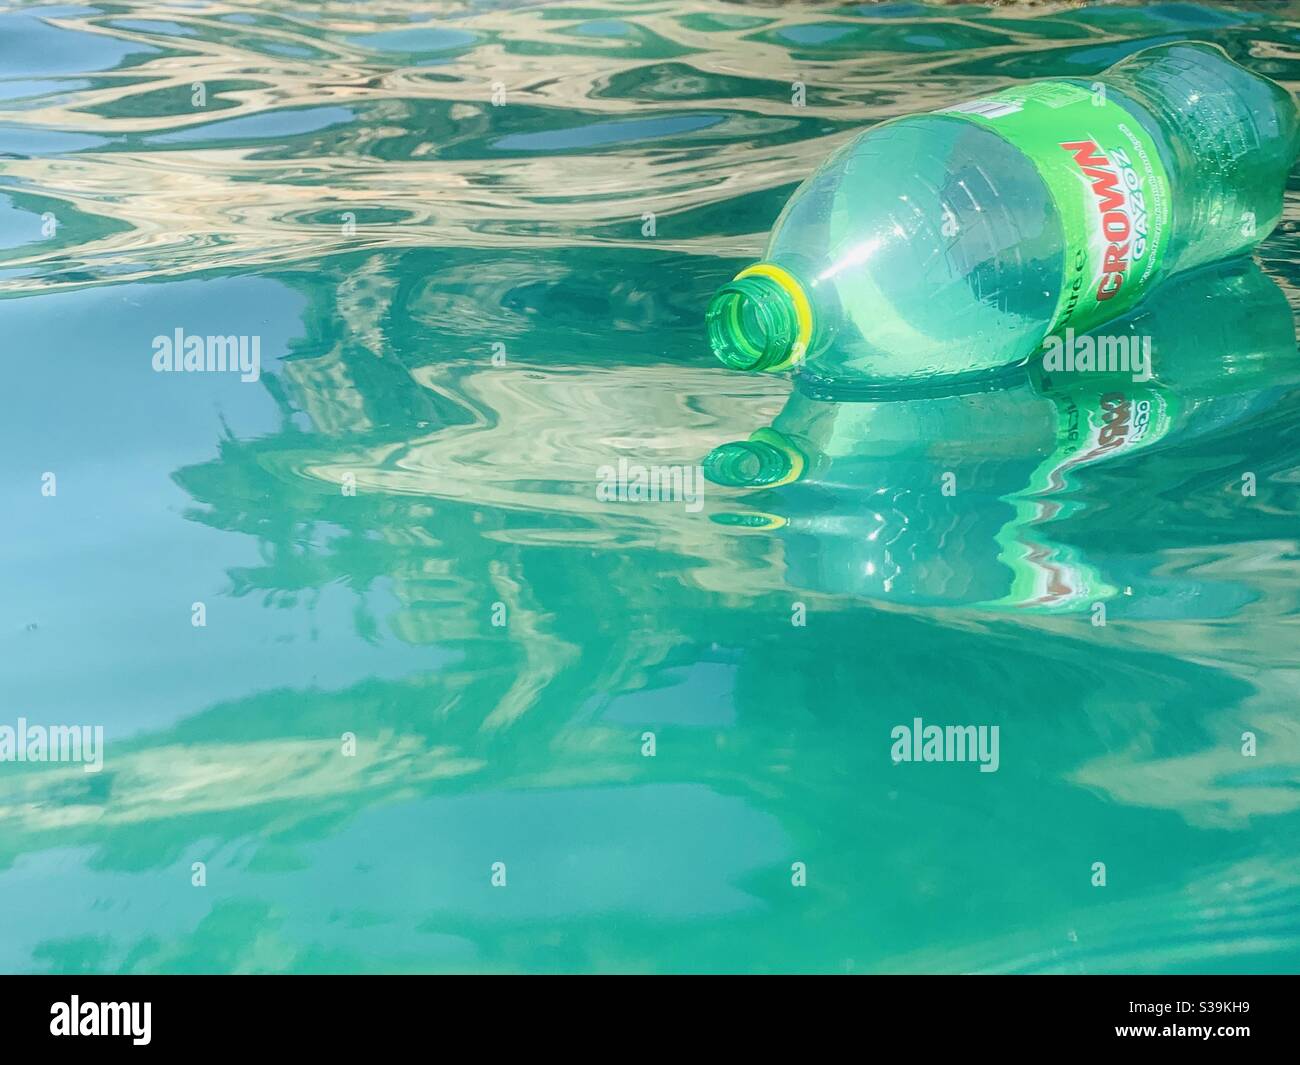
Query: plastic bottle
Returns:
{"type": "Point", "coordinates": [958, 497]}
{"type": "Point", "coordinates": [955, 242]}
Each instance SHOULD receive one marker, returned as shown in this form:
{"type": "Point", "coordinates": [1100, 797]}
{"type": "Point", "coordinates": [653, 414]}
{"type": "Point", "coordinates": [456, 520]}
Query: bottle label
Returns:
{"type": "Point", "coordinates": [1107, 180]}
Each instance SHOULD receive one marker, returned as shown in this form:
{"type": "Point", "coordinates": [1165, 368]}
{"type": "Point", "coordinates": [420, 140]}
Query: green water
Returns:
{"type": "Point", "coordinates": [464, 311]}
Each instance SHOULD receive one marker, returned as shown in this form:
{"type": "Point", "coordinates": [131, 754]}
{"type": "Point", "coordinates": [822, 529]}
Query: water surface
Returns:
{"type": "Point", "coordinates": [474, 241]}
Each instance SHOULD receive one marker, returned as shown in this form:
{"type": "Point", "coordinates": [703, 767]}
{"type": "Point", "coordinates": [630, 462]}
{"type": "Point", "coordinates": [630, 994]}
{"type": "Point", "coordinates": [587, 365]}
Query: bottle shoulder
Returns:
{"type": "Point", "coordinates": [927, 244]}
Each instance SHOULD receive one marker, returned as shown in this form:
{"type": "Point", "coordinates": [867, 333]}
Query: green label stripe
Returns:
{"type": "Point", "coordinates": [1106, 178]}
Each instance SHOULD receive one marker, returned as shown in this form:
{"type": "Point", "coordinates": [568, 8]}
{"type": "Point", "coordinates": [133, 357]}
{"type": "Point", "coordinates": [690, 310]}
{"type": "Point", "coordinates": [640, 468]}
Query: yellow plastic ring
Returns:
{"type": "Point", "coordinates": [802, 308]}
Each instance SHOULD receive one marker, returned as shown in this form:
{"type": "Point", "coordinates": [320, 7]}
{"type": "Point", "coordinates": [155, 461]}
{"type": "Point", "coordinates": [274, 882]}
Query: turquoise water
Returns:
{"type": "Point", "coordinates": [365, 639]}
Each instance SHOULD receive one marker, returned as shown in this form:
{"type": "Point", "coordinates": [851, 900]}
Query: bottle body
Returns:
{"type": "Point", "coordinates": [955, 242]}
{"type": "Point", "coordinates": [1228, 138]}
{"type": "Point", "coordinates": [939, 274]}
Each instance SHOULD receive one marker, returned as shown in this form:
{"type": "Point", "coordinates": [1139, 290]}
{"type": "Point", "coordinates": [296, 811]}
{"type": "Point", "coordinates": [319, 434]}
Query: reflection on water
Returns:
{"type": "Point", "coordinates": [952, 496]}
{"type": "Point", "coordinates": [467, 307]}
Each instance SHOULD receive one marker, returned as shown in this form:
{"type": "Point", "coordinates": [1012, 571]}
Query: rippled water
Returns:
{"type": "Point", "coordinates": [475, 242]}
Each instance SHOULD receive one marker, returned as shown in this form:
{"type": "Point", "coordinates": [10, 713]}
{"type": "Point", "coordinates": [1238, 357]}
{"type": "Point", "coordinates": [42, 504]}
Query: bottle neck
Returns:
{"type": "Point", "coordinates": [760, 321]}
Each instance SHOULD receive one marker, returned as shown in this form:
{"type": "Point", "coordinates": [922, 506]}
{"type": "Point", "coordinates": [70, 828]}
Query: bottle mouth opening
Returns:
{"type": "Point", "coordinates": [752, 324]}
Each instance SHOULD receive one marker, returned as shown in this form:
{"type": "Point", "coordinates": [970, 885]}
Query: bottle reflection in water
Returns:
{"type": "Point", "coordinates": [952, 498]}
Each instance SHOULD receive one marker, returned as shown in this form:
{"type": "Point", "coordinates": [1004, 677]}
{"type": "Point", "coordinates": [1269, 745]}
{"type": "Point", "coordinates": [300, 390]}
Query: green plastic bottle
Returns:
{"type": "Point", "coordinates": [948, 497]}
{"type": "Point", "coordinates": [955, 242]}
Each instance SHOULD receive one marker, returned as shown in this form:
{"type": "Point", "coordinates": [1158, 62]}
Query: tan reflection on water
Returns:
{"type": "Point", "coordinates": [187, 209]}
